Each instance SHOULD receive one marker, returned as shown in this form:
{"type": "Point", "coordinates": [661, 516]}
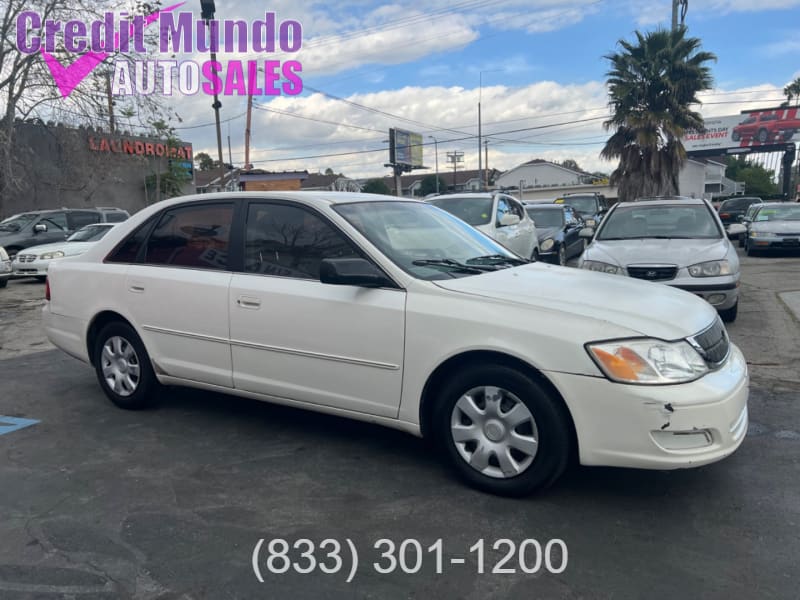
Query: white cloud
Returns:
{"type": "Point", "coordinates": [788, 45]}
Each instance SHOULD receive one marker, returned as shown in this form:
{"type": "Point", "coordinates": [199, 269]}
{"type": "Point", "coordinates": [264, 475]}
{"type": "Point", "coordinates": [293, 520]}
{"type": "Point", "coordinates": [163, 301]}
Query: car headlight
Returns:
{"type": "Point", "coordinates": [753, 233]}
{"type": "Point", "coordinates": [547, 245]}
{"type": "Point", "coordinates": [648, 361]}
{"type": "Point", "coordinates": [596, 265]}
{"type": "Point", "coordinates": [590, 223]}
{"type": "Point", "coordinates": [5, 266]}
{"type": "Point", "coordinates": [712, 268]}
{"type": "Point", "coordinates": [51, 255]}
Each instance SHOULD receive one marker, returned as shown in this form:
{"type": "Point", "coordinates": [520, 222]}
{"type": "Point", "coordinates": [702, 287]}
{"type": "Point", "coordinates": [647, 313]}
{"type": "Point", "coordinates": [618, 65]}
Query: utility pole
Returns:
{"type": "Point", "coordinates": [436, 151]}
{"type": "Point", "coordinates": [486, 161]}
{"type": "Point", "coordinates": [247, 165]}
{"type": "Point", "coordinates": [455, 157]}
{"type": "Point", "coordinates": [208, 8]}
{"type": "Point", "coordinates": [480, 170]}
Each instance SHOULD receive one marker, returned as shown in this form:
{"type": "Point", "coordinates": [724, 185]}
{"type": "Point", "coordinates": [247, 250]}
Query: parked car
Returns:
{"type": "Point", "coordinates": [39, 227]}
{"type": "Point", "coordinates": [34, 261]}
{"type": "Point", "coordinates": [5, 268]}
{"type": "Point", "coordinates": [746, 220]}
{"type": "Point", "coordinates": [774, 225]}
{"type": "Point", "coordinates": [761, 127]}
{"type": "Point", "coordinates": [395, 312]}
{"type": "Point", "coordinates": [499, 216]}
{"type": "Point", "coordinates": [732, 209]}
{"type": "Point", "coordinates": [591, 207]}
{"type": "Point", "coordinates": [558, 228]}
{"type": "Point", "coordinates": [678, 242]}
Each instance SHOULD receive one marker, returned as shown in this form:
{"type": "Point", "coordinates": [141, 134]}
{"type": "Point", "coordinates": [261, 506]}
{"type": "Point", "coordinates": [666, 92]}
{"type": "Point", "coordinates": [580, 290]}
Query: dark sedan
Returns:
{"type": "Point", "coordinates": [733, 208]}
{"type": "Point", "coordinates": [774, 225]}
{"type": "Point", "coordinates": [558, 227]}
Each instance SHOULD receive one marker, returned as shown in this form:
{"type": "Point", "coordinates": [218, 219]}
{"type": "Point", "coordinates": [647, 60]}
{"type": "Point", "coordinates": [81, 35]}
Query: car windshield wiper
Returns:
{"type": "Point", "coordinates": [452, 264]}
{"type": "Point", "coordinates": [497, 259]}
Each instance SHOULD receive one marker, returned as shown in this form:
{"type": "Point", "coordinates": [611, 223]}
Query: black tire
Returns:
{"type": "Point", "coordinates": [535, 255]}
{"type": "Point", "coordinates": [763, 135]}
{"type": "Point", "coordinates": [144, 392]}
{"type": "Point", "coordinates": [41, 278]}
{"type": "Point", "coordinates": [3, 283]}
{"type": "Point", "coordinates": [549, 417]}
{"type": "Point", "coordinates": [749, 249]}
{"type": "Point", "coordinates": [562, 255]}
{"type": "Point", "coordinates": [729, 314]}
{"type": "Point", "coordinates": [742, 238]}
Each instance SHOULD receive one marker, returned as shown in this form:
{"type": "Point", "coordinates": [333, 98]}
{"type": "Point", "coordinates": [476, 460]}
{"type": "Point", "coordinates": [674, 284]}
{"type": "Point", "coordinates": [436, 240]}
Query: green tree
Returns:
{"type": "Point", "coordinates": [428, 185]}
{"type": "Point", "coordinates": [571, 164]}
{"type": "Point", "coordinates": [758, 181]}
{"type": "Point", "coordinates": [652, 85]}
{"type": "Point", "coordinates": [169, 178]}
{"type": "Point", "coordinates": [376, 186]}
{"type": "Point", "coordinates": [329, 171]}
{"type": "Point", "coordinates": [204, 161]}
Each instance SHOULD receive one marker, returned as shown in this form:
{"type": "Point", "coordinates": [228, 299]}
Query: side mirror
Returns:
{"type": "Point", "coordinates": [740, 218]}
{"type": "Point", "coordinates": [40, 228]}
{"type": "Point", "coordinates": [586, 232]}
{"type": "Point", "coordinates": [352, 271]}
{"type": "Point", "coordinates": [509, 219]}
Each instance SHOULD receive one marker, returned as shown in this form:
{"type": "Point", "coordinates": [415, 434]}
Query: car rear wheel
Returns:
{"type": "Point", "coordinates": [502, 431]}
{"type": "Point", "coordinates": [729, 314]}
{"type": "Point", "coordinates": [123, 367]}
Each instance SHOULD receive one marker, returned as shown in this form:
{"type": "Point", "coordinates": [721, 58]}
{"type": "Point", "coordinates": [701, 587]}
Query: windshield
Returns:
{"type": "Point", "coordinates": [90, 233]}
{"type": "Point", "coordinates": [779, 213]}
{"type": "Point", "coordinates": [475, 210]}
{"type": "Point", "coordinates": [660, 221]}
{"type": "Point", "coordinates": [16, 222]}
{"type": "Point", "coordinates": [544, 217]}
{"type": "Point", "coordinates": [586, 205]}
{"type": "Point", "coordinates": [409, 232]}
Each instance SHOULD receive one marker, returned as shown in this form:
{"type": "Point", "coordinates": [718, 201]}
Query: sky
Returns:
{"type": "Point", "coordinates": [536, 66]}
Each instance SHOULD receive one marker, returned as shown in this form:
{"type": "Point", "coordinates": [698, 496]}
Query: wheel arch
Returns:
{"type": "Point", "coordinates": [482, 357]}
{"type": "Point", "coordinates": [96, 325]}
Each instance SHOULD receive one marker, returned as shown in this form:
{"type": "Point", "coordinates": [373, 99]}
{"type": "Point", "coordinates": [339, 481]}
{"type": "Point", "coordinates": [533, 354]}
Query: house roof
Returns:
{"type": "Point", "coordinates": [319, 180]}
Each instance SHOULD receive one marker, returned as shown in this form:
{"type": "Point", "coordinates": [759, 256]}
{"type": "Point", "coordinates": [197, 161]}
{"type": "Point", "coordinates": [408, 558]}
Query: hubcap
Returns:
{"type": "Point", "coordinates": [120, 366]}
{"type": "Point", "coordinates": [494, 432]}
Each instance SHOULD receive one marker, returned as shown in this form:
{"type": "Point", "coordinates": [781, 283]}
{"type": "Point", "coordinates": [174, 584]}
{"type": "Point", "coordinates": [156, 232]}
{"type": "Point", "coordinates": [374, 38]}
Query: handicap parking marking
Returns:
{"type": "Point", "coordinates": [9, 424]}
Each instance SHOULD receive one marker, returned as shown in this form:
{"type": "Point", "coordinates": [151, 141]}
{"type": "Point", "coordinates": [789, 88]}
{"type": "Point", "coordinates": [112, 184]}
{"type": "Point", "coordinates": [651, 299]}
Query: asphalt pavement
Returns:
{"type": "Point", "coordinates": [170, 502]}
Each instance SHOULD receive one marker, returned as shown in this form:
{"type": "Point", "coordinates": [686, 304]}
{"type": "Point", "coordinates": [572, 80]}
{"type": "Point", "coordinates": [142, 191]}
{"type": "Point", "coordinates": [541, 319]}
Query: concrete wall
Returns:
{"type": "Point", "coordinates": [57, 167]}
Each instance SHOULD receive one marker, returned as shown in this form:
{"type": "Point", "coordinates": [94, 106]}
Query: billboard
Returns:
{"type": "Point", "coordinates": [405, 148]}
{"type": "Point", "coordinates": [749, 130]}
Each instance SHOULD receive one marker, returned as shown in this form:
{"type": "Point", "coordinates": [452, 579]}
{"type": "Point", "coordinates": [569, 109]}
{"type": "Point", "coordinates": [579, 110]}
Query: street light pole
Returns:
{"type": "Point", "coordinates": [436, 151]}
{"type": "Point", "coordinates": [207, 9]}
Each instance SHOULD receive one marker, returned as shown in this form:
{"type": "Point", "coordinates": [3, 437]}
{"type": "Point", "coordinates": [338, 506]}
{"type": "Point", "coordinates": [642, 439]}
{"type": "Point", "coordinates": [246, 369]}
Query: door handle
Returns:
{"type": "Point", "coordinates": [249, 302]}
{"type": "Point", "coordinates": [136, 287]}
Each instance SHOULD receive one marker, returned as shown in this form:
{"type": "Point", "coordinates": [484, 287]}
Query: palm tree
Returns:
{"type": "Point", "coordinates": [793, 91]}
{"type": "Point", "coordinates": [652, 85]}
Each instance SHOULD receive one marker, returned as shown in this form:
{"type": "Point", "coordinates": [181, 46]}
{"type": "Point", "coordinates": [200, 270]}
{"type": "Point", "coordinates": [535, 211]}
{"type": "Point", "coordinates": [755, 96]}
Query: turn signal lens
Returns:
{"type": "Point", "coordinates": [648, 361]}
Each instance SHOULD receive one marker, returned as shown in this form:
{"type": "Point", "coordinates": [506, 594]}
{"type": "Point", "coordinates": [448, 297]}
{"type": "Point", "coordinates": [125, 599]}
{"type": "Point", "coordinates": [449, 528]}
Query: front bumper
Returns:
{"type": "Point", "coordinates": [659, 427]}
{"type": "Point", "coordinates": [36, 268]}
{"type": "Point", "coordinates": [763, 242]}
{"type": "Point", "coordinates": [719, 295]}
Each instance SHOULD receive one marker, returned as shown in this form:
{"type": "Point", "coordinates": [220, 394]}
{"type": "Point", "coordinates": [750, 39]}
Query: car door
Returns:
{"type": "Point", "coordinates": [297, 338]}
{"type": "Point", "coordinates": [177, 292]}
{"type": "Point", "coordinates": [572, 228]}
{"type": "Point", "coordinates": [525, 230]}
{"type": "Point", "coordinates": [508, 235]}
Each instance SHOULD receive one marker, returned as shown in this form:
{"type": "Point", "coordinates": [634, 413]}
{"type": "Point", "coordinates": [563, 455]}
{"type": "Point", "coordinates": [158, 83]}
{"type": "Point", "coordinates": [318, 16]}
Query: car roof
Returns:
{"type": "Point", "coordinates": [664, 201]}
{"type": "Point", "coordinates": [547, 205]}
{"type": "Point", "coordinates": [467, 195]}
{"type": "Point", "coordinates": [319, 199]}
{"type": "Point", "coordinates": [775, 204]}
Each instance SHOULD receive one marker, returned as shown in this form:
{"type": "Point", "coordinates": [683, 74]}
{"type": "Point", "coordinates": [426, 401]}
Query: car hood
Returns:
{"type": "Point", "coordinates": [68, 248]}
{"type": "Point", "coordinates": [776, 226]}
{"type": "Point", "coordinates": [544, 233]}
{"type": "Point", "coordinates": [648, 251]}
{"type": "Point", "coordinates": [635, 306]}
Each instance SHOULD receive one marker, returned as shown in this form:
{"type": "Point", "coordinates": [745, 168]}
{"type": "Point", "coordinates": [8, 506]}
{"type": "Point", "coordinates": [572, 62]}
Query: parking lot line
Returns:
{"type": "Point", "coordinates": [9, 424]}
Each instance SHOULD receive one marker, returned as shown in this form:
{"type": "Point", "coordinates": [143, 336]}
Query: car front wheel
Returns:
{"type": "Point", "coordinates": [562, 256]}
{"type": "Point", "coordinates": [502, 431]}
{"type": "Point", "coordinates": [123, 367]}
{"type": "Point", "coordinates": [729, 314]}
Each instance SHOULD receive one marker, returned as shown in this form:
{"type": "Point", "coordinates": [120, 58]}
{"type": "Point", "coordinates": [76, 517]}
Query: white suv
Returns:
{"type": "Point", "coordinates": [395, 312]}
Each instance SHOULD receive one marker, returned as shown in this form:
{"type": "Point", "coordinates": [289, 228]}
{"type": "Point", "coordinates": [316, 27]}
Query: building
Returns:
{"type": "Point", "coordinates": [333, 183]}
{"type": "Point", "coordinates": [541, 173]}
{"type": "Point", "coordinates": [252, 180]}
{"type": "Point", "coordinates": [460, 181]}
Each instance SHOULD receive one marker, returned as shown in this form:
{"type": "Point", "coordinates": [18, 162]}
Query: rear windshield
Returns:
{"type": "Point", "coordinates": [475, 210]}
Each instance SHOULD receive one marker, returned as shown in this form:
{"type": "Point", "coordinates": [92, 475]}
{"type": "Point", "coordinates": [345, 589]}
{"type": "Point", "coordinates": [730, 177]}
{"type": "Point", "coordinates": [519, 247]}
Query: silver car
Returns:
{"type": "Point", "coordinates": [677, 241]}
{"type": "Point", "coordinates": [5, 268]}
{"type": "Point", "coordinates": [773, 225]}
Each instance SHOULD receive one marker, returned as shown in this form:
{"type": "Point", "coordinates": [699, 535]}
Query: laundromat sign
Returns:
{"type": "Point", "coordinates": [139, 147]}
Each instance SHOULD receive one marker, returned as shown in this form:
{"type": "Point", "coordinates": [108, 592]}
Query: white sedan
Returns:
{"type": "Point", "coordinates": [34, 261]}
{"type": "Point", "coordinates": [499, 216]}
{"type": "Point", "coordinates": [395, 312]}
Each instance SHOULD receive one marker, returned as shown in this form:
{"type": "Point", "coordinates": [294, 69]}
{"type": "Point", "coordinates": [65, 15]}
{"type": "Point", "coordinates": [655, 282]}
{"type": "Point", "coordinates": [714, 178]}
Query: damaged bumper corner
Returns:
{"type": "Point", "coordinates": [659, 427]}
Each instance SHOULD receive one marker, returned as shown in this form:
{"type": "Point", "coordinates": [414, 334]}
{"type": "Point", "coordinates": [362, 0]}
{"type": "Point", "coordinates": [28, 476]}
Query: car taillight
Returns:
{"type": "Point", "coordinates": [724, 216]}
{"type": "Point", "coordinates": [47, 290]}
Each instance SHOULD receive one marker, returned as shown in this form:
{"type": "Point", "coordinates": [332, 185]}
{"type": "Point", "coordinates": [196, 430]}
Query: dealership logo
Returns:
{"type": "Point", "coordinates": [98, 40]}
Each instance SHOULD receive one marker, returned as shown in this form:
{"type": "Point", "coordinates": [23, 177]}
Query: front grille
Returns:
{"type": "Point", "coordinates": [713, 343]}
{"type": "Point", "coordinates": [26, 257]}
{"type": "Point", "coordinates": [654, 273]}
